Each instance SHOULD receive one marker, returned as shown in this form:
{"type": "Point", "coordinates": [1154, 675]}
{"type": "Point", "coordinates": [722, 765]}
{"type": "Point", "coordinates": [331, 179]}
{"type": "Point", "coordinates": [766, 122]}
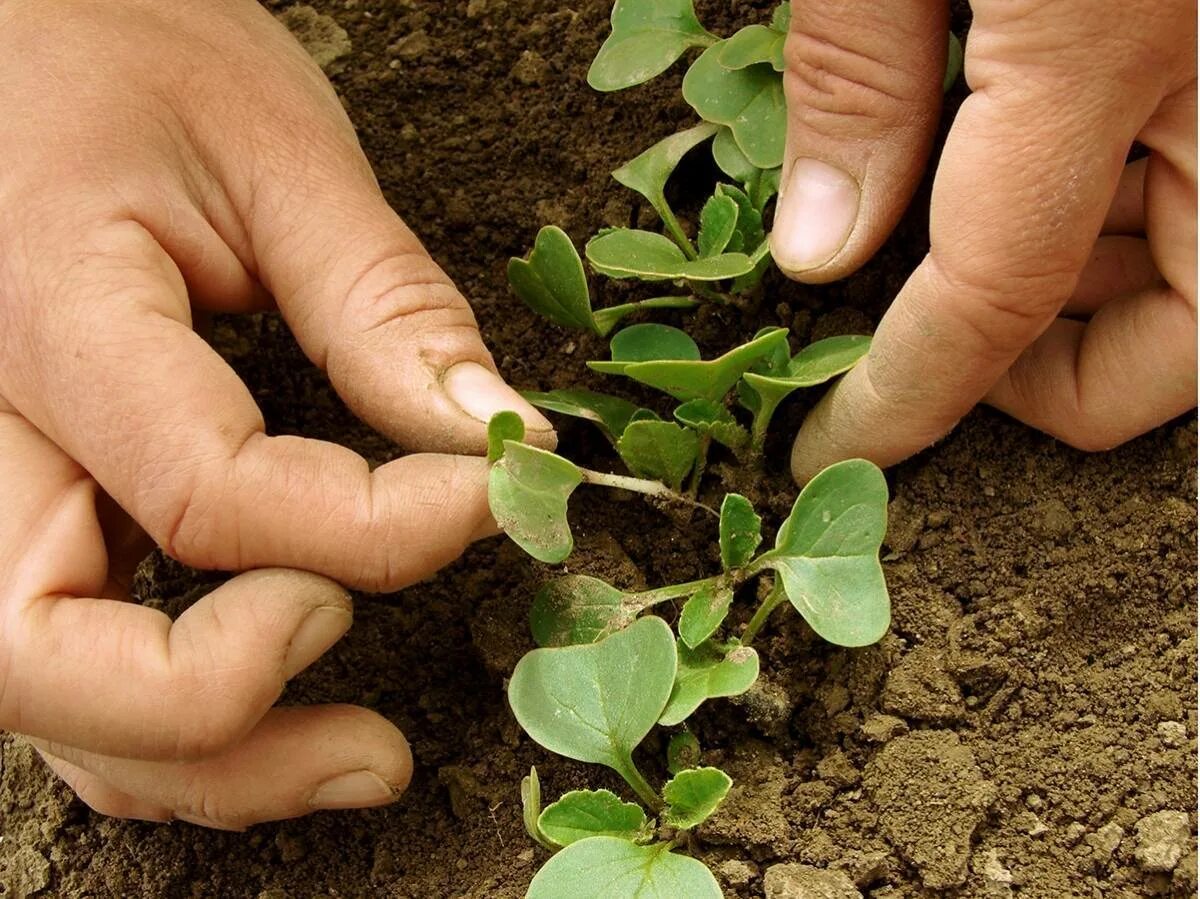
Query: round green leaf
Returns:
{"type": "Point", "coordinates": [591, 813]}
{"type": "Point", "coordinates": [629, 253]}
{"type": "Point", "coordinates": [552, 282]}
{"type": "Point", "coordinates": [717, 268]}
{"type": "Point", "coordinates": [612, 868]}
{"type": "Point", "coordinates": [506, 425]}
{"type": "Point", "coordinates": [647, 37]}
{"type": "Point", "coordinates": [730, 158]}
{"type": "Point", "coordinates": [528, 490]}
{"type": "Point", "coordinates": [577, 609]}
{"type": "Point", "coordinates": [704, 673]}
{"type": "Point", "coordinates": [827, 554]}
{"type": "Point", "coordinates": [611, 413]}
{"type": "Point", "coordinates": [740, 531]}
{"type": "Point", "coordinates": [582, 702]}
{"type": "Point", "coordinates": [703, 613]}
{"type": "Point", "coordinates": [660, 450]}
{"type": "Point", "coordinates": [693, 795]}
{"type": "Point", "coordinates": [749, 101]}
{"type": "Point", "coordinates": [752, 45]}
{"type": "Point", "coordinates": [828, 358]}
{"type": "Point", "coordinates": [651, 343]}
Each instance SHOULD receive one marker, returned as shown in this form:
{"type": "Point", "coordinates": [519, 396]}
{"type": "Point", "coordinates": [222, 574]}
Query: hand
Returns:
{"type": "Point", "coordinates": [160, 159]}
{"type": "Point", "coordinates": [1060, 284]}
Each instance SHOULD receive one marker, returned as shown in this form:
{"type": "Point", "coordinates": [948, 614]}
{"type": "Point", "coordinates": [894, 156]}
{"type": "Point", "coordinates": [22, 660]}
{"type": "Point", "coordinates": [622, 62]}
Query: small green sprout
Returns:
{"type": "Point", "coordinates": [683, 752]}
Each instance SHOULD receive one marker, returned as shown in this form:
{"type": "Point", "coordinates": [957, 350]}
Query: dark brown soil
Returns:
{"type": "Point", "coordinates": [1033, 703]}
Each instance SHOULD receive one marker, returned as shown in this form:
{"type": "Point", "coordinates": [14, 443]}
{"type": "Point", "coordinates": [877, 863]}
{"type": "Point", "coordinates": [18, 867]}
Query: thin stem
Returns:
{"type": "Point", "coordinates": [650, 597]}
{"type": "Point", "coordinates": [774, 599]}
{"type": "Point", "coordinates": [676, 230]}
{"type": "Point", "coordinates": [628, 770]}
{"type": "Point", "coordinates": [762, 421]}
{"type": "Point", "coordinates": [640, 485]}
{"type": "Point", "coordinates": [703, 290]}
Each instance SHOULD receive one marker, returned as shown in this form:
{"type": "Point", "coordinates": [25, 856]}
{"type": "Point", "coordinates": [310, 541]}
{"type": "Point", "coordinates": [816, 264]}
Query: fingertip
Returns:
{"type": "Point", "coordinates": [481, 393]}
{"type": "Point", "coordinates": [818, 210]}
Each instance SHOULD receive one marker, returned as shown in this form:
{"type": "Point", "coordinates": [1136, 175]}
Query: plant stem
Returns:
{"type": "Point", "coordinates": [628, 770]}
{"type": "Point", "coordinates": [762, 421]}
{"type": "Point", "coordinates": [774, 599]}
{"type": "Point", "coordinates": [703, 290]}
{"type": "Point", "coordinates": [667, 214]}
{"type": "Point", "coordinates": [640, 485]}
{"type": "Point", "coordinates": [701, 462]}
{"type": "Point", "coordinates": [650, 597]}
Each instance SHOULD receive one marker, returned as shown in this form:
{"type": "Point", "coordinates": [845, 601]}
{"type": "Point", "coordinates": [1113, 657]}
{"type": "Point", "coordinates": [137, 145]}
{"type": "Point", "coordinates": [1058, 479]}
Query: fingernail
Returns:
{"type": "Point", "coordinates": [482, 393]}
{"type": "Point", "coordinates": [320, 630]}
{"type": "Point", "coordinates": [358, 789]}
{"type": "Point", "coordinates": [816, 215]}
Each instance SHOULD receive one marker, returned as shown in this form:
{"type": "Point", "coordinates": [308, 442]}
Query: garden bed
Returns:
{"type": "Point", "coordinates": [1019, 731]}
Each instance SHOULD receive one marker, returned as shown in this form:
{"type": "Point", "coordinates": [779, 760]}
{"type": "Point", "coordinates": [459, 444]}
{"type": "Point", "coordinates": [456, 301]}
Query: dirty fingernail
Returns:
{"type": "Point", "coordinates": [358, 789]}
{"type": "Point", "coordinates": [816, 215]}
{"type": "Point", "coordinates": [482, 393]}
{"type": "Point", "coordinates": [320, 630]}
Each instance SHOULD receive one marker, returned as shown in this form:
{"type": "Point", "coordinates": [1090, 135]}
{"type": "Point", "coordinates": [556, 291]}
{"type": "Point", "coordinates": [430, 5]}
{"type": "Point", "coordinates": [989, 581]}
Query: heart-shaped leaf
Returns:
{"type": "Point", "coordinates": [649, 172]}
{"type": "Point", "coordinates": [749, 101]}
{"type": "Point", "coordinates": [610, 867]}
{"type": "Point", "coordinates": [683, 751]}
{"type": "Point", "coordinates": [752, 45]}
{"type": "Point", "coordinates": [954, 63]}
{"type": "Point", "coordinates": [693, 795]}
{"type": "Point", "coordinates": [552, 282]}
{"type": "Point", "coordinates": [690, 379]}
{"type": "Point", "coordinates": [703, 613]}
{"type": "Point", "coordinates": [827, 554]}
{"type": "Point", "coordinates": [740, 531]}
{"type": "Point", "coordinates": [730, 158]}
{"type": "Point", "coordinates": [591, 813]}
{"type": "Point", "coordinates": [577, 609]}
{"type": "Point", "coordinates": [528, 490]}
{"type": "Point", "coordinates": [582, 702]}
{"type": "Point", "coordinates": [647, 37]}
{"type": "Point", "coordinates": [660, 450]}
{"type": "Point", "coordinates": [531, 809]}
{"type": "Point", "coordinates": [718, 221]}
{"type": "Point", "coordinates": [713, 419]}
{"type": "Point", "coordinates": [705, 673]}
{"type": "Point", "coordinates": [611, 413]}
{"type": "Point", "coordinates": [503, 427]}
{"type": "Point", "coordinates": [630, 253]}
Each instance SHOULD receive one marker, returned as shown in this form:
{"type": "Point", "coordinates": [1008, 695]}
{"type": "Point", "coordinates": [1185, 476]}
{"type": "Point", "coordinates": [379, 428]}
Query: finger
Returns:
{"type": "Point", "coordinates": [1127, 214]}
{"type": "Point", "coordinates": [1118, 265]}
{"type": "Point", "coordinates": [864, 86]}
{"type": "Point", "coordinates": [103, 798]}
{"type": "Point", "coordinates": [1020, 195]}
{"type": "Point", "coordinates": [296, 761]}
{"type": "Point", "coordinates": [1094, 386]}
{"type": "Point", "coordinates": [173, 435]}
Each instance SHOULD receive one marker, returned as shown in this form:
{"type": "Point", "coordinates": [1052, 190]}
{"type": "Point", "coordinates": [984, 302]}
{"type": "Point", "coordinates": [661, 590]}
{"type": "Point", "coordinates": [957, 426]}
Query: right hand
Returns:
{"type": "Point", "coordinates": [161, 159]}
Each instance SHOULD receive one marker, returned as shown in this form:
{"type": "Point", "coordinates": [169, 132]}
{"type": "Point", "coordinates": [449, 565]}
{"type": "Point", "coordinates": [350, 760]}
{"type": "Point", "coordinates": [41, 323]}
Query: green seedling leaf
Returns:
{"type": "Point", "coordinates": [683, 751]}
{"type": "Point", "coordinates": [715, 420]}
{"type": "Point", "coordinates": [954, 63]}
{"type": "Point", "coordinates": [705, 673]}
{"type": "Point", "coordinates": [609, 318]}
{"type": "Point", "coordinates": [827, 554]}
{"type": "Point", "coordinates": [585, 702]}
{"type": "Point", "coordinates": [552, 281]}
{"type": "Point", "coordinates": [781, 18]}
{"type": "Point", "coordinates": [815, 364]}
{"type": "Point", "coordinates": [749, 233]}
{"type": "Point", "coordinates": [650, 343]}
{"type": "Point", "coordinates": [531, 809]}
{"type": "Point", "coordinates": [648, 173]}
{"type": "Point", "coordinates": [740, 531]}
{"type": "Point", "coordinates": [765, 188]}
{"type": "Point", "coordinates": [690, 379]}
{"type": "Point", "coordinates": [693, 795]}
{"type": "Point", "coordinates": [749, 101]}
{"type": "Point", "coordinates": [630, 253]}
{"type": "Point", "coordinates": [611, 413]}
{"type": "Point", "coordinates": [752, 45]}
{"type": "Point", "coordinates": [528, 490]}
{"type": "Point", "coordinates": [591, 813]}
{"type": "Point", "coordinates": [703, 614]}
{"type": "Point", "coordinates": [660, 450]}
{"type": "Point", "coordinates": [730, 158]}
{"type": "Point", "coordinates": [610, 867]}
{"type": "Point", "coordinates": [718, 221]}
{"type": "Point", "coordinates": [577, 609]}
{"type": "Point", "coordinates": [503, 426]}
{"type": "Point", "coordinates": [647, 37]}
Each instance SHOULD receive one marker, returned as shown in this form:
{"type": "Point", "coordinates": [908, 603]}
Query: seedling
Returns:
{"type": "Point", "coordinates": [605, 674]}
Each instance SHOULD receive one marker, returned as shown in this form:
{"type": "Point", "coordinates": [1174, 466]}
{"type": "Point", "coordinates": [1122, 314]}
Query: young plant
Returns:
{"type": "Point", "coordinates": [605, 675]}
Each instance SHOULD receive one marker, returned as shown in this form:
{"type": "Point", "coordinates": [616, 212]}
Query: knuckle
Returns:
{"type": "Point", "coordinates": [830, 81]}
{"type": "Point", "coordinates": [407, 289]}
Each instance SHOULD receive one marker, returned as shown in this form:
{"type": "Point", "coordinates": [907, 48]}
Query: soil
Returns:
{"type": "Point", "coordinates": [1028, 727]}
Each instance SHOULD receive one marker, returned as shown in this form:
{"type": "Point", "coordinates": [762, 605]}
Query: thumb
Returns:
{"type": "Point", "coordinates": [863, 87]}
{"type": "Point", "coordinates": [399, 342]}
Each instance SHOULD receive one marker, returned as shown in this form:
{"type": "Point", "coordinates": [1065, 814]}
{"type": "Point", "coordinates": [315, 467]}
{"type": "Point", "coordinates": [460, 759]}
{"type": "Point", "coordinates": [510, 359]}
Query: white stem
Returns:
{"type": "Point", "coordinates": [639, 485]}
